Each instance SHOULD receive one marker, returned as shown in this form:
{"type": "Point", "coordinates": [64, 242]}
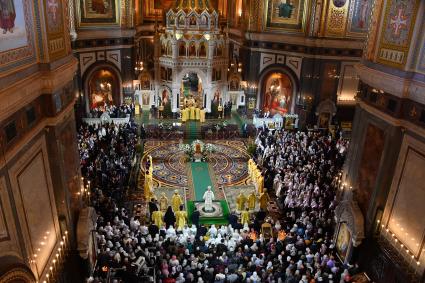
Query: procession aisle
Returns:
{"type": "Point", "coordinates": [192, 131]}
{"type": "Point", "coordinates": [201, 179]}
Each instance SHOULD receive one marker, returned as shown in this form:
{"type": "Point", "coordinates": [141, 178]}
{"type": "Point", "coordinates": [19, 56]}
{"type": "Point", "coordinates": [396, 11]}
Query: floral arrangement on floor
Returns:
{"type": "Point", "coordinates": [197, 150]}
{"type": "Point", "coordinates": [221, 125]}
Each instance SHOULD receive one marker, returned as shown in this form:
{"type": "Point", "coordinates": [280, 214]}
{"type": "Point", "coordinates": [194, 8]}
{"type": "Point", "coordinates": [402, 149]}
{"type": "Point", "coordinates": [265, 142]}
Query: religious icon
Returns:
{"type": "Point", "coordinates": [182, 49]}
{"type": "Point", "coordinates": [324, 120]}
{"type": "Point", "coordinates": [181, 21]}
{"type": "Point", "coordinates": [171, 20]}
{"type": "Point", "coordinates": [145, 98]}
{"type": "Point", "coordinates": [192, 49]}
{"type": "Point", "coordinates": [216, 98]}
{"type": "Point", "coordinates": [285, 13]}
{"type": "Point", "coordinates": [202, 50]}
{"type": "Point", "coordinates": [364, 5]}
{"type": "Point", "coordinates": [192, 21]}
{"type": "Point", "coordinates": [99, 11]}
{"type": "Point", "coordinates": [52, 8]}
{"type": "Point", "coordinates": [7, 16]}
{"type": "Point", "coordinates": [278, 94]}
{"type": "Point", "coordinates": [165, 97]}
{"type": "Point", "coordinates": [343, 241]}
{"type": "Point", "coordinates": [204, 20]}
{"type": "Point", "coordinates": [98, 6]}
{"type": "Point", "coordinates": [234, 84]}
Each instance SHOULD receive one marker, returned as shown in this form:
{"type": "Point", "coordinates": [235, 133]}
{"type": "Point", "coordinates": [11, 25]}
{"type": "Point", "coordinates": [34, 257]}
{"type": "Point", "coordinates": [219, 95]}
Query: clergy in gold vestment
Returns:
{"type": "Point", "coordinates": [264, 200]}
{"type": "Point", "coordinates": [181, 217]}
{"type": "Point", "coordinates": [176, 201]}
{"type": "Point", "coordinates": [252, 199]}
{"type": "Point", "coordinates": [202, 116]}
{"type": "Point", "coordinates": [245, 217]}
{"type": "Point", "coordinates": [240, 202]}
{"type": "Point", "coordinates": [157, 218]}
{"type": "Point", "coordinates": [163, 202]}
{"type": "Point", "coordinates": [148, 185]}
{"type": "Point", "coordinates": [250, 166]}
{"type": "Point", "coordinates": [197, 114]}
{"type": "Point", "coordinates": [184, 115]}
{"type": "Point", "coordinates": [192, 113]}
{"type": "Point", "coordinates": [260, 183]}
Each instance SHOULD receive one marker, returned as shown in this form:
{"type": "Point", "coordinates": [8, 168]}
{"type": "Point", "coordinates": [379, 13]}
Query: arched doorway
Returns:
{"type": "Point", "coordinates": [277, 93]}
{"type": "Point", "coordinates": [103, 87]}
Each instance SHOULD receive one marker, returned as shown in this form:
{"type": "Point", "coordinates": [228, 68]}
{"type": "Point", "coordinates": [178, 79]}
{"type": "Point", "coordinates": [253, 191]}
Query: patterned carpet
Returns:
{"type": "Point", "coordinates": [228, 165]}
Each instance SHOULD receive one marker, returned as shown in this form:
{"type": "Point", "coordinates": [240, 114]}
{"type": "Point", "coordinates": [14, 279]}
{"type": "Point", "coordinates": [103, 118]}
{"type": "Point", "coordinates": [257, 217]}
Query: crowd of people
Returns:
{"type": "Point", "coordinates": [107, 155]}
{"type": "Point", "coordinates": [299, 168]}
{"type": "Point", "coordinates": [113, 111]}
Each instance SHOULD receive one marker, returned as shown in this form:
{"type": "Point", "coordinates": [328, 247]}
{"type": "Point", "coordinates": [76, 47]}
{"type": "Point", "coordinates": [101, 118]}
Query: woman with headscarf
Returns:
{"type": "Point", "coordinates": [169, 217]}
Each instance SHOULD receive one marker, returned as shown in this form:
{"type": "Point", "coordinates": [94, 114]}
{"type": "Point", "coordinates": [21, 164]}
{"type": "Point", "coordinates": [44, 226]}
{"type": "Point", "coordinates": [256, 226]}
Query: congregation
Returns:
{"type": "Point", "coordinates": [113, 111]}
{"type": "Point", "coordinates": [298, 168]}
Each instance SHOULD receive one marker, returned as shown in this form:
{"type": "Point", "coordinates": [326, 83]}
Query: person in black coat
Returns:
{"type": "Point", "coordinates": [233, 220]}
{"type": "Point", "coordinates": [195, 217]}
{"type": "Point", "coordinates": [153, 206]}
{"type": "Point", "coordinates": [169, 217]}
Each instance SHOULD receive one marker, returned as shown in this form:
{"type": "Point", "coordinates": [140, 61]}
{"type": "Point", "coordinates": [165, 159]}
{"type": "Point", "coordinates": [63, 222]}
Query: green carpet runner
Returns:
{"type": "Point", "coordinates": [145, 117]}
{"type": "Point", "coordinates": [238, 120]}
{"type": "Point", "coordinates": [192, 130]}
{"type": "Point", "coordinates": [201, 179]}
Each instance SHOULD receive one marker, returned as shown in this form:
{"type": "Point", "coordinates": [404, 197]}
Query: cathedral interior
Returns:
{"type": "Point", "coordinates": [212, 141]}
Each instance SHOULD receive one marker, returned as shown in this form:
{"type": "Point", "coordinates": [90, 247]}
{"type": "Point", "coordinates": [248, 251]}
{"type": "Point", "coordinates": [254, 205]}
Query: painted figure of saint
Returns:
{"type": "Point", "coordinates": [53, 8]}
{"type": "Point", "coordinates": [7, 16]}
{"type": "Point", "coordinates": [164, 97]}
{"type": "Point", "coordinates": [285, 9]}
{"type": "Point", "coordinates": [363, 13]}
{"type": "Point", "coordinates": [98, 6]}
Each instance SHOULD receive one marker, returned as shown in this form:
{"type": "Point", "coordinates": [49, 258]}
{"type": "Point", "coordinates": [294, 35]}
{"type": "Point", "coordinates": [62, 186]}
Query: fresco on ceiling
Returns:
{"type": "Point", "coordinates": [286, 14]}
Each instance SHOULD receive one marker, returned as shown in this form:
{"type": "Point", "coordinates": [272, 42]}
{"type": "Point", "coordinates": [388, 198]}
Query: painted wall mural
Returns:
{"type": "Point", "coordinates": [286, 14]}
{"type": "Point", "coordinates": [399, 20]}
{"type": "Point", "coordinates": [360, 16]}
{"type": "Point", "coordinates": [54, 16]}
{"type": "Point", "coordinates": [343, 241]}
{"type": "Point", "coordinates": [369, 166]}
{"type": "Point", "coordinates": [99, 12]}
{"type": "Point", "coordinates": [277, 97]}
{"type": "Point", "coordinates": [17, 44]}
{"type": "Point", "coordinates": [55, 28]}
{"type": "Point", "coordinates": [13, 33]}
